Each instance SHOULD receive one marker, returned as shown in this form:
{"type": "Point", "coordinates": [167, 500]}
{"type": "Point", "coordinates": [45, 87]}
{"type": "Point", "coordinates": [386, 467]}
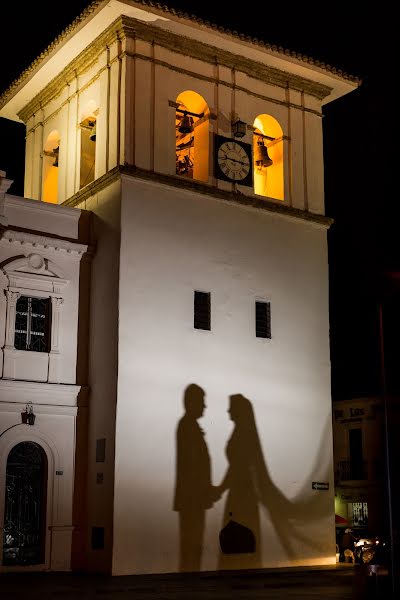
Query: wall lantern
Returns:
{"type": "Point", "coordinates": [27, 416]}
{"type": "Point", "coordinates": [239, 128]}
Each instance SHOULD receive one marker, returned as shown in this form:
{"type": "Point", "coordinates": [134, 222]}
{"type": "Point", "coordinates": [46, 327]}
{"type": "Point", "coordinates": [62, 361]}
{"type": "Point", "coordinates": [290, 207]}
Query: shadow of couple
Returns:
{"type": "Point", "coordinates": [247, 484]}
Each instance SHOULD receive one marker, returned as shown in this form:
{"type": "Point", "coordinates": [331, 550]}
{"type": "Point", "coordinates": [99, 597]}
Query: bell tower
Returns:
{"type": "Point", "coordinates": [198, 153]}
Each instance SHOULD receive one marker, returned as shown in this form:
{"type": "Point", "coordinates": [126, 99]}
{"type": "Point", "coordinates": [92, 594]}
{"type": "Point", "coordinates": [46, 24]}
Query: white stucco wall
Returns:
{"type": "Point", "coordinates": [174, 242]}
{"type": "Point", "coordinates": [103, 367]}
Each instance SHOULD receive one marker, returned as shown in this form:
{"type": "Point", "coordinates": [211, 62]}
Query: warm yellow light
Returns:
{"type": "Point", "coordinates": [50, 170]}
{"type": "Point", "coordinates": [192, 148]}
{"type": "Point", "coordinates": [269, 181]}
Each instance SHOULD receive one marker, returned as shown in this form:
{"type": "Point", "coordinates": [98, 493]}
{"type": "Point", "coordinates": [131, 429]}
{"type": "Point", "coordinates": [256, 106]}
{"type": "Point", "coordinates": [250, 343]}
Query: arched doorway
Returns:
{"type": "Point", "coordinates": [25, 505]}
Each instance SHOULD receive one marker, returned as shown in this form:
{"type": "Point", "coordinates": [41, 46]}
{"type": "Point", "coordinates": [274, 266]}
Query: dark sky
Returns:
{"type": "Point", "coordinates": [363, 242]}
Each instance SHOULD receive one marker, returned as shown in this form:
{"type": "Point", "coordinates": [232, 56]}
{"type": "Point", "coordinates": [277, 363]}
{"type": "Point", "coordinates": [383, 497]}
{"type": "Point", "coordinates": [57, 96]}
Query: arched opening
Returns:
{"type": "Point", "coordinates": [192, 136]}
{"type": "Point", "coordinates": [51, 152]}
{"type": "Point", "coordinates": [268, 157]}
{"type": "Point", "coordinates": [88, 144]}
{"type": "Point", "coordinates": [25, 505]}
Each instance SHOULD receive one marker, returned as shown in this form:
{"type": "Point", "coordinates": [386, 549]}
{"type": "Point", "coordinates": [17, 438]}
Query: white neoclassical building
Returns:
{"type": "Point", "coordinates": [165, 376]}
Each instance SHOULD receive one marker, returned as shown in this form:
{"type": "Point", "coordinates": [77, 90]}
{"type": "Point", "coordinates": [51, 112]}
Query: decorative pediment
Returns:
{"type": "Point", "coordinates": [35, 272]}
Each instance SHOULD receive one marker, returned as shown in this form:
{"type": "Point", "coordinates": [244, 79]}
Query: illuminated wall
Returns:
{"type": "Point", "coordinates": [50, 168]}
{"type": "Point", "coordinates": [172, 244]}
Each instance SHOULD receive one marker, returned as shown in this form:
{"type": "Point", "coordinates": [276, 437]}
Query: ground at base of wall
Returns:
{"type": "Point", "coordinates": [337, 582]}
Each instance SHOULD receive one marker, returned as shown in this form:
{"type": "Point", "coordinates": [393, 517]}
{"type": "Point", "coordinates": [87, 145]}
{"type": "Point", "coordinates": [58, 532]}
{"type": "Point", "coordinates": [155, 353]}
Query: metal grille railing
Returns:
{"type": "Point", "coordinates": [347, 470]}
{"type": "Point", "coordinates": [32, 324]}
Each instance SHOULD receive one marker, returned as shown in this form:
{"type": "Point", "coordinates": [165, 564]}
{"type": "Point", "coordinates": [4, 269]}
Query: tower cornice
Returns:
{"type": "Point", "coordinates": [128, 27]}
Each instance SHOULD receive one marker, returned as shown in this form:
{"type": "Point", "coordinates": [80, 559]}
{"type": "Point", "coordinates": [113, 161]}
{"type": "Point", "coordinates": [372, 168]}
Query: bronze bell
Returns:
{"type": "Point", "coordinates": [92, 136]}
{"type": "Point", "coordinates": [261, 155]}
{"type": "Point", "coordinates": [56, 152]}
{"type": "Point", "coordinates": [186, 124]}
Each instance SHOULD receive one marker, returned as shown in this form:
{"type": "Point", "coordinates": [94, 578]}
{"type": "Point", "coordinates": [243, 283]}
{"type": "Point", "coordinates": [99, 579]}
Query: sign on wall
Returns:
{"type": "Point", "coordinates": [320, 485]}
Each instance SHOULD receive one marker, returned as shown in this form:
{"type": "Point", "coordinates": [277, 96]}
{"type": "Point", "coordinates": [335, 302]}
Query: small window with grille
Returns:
{"type": "Point", "coordinates": [263, 319]}
{"type": "Point", "coordinates": [202, 310]}
{"type": "Point", "coordinates": [32, 324]}
{"type": "Point", "coordinates": [97, 538]}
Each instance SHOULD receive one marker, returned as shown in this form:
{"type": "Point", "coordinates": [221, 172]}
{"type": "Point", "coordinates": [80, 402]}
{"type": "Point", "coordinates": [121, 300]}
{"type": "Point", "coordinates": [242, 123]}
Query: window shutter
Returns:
{"type": "Point", "coordinates": [263, 319]}
{"type": "Point", "coordinates": [202, 310]}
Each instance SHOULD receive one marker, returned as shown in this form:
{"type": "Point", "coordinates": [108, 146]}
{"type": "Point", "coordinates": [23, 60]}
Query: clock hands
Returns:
{"type": "Point", "coordinates": [226, 157]}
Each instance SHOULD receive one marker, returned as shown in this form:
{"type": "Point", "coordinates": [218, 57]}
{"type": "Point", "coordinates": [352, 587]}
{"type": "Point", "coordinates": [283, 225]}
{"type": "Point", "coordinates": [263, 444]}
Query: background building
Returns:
{"type": "Point", "coordinates": [359, 442]}
{"type": "Point", "coordinates": [198, 154]}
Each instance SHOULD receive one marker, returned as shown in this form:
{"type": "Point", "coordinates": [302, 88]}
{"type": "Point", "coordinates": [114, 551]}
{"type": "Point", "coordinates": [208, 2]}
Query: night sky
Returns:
{"type": "Point", "coordinates": [363, 242]}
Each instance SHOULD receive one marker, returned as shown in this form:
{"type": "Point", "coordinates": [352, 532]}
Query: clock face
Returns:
{"type": "Point", "coordinates": [233, 161]}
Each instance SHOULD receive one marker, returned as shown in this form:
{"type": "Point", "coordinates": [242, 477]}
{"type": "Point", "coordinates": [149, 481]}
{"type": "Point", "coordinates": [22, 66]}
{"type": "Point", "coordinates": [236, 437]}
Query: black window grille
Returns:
{"type": "Point", "coordinates": [32, 324]}
{"type": "Point", "coordinates": [25, 505]}
{"type": "Point", "coordinates": [202, 310]}
{"type": "Point", "coordinates": [263, 319]}
{"type": "Point", "coordinates": [100, 450]}
{"type": "Point", "coordinates": [97, 538]}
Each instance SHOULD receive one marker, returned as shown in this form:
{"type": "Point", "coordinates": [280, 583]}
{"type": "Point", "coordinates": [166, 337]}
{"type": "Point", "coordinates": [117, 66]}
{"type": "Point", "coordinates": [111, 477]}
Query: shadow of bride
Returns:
{"type": "Point", "coordinates": [249, 487]}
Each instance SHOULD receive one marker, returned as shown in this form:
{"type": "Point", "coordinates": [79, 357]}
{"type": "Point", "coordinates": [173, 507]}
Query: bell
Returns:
{"type": "Point", "coordinates": [92, 136]}
{"type": "Point", "coordinates": [261, 155]}
{"type": "Point", "coordinates": [56, 152]}
{"type": "Point", "coordinates": [186, 124]}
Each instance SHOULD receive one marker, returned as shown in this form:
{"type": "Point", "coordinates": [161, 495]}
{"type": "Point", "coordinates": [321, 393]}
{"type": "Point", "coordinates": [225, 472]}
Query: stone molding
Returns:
{"type": "Point", "coordinates": [127, 27]}
{"type": "Point", "coordinates": [254, 202]}
{"type": "Point", "coordinates": [38, 283]}
{"type": "Point", "coordinates": [162, 9]}
{"type": "Point", "coordinates": [14, 393]}
{"type": "Point", "coordinates": [35, 264]}
{"type": "Point", "coordinates": [42, 242]}
{"type": "Point", "coordinates": [212, 55]}
{"type": "Point", "coordinates": [94, 187]}
{"type": "Point", "coordinates": [37, 205]}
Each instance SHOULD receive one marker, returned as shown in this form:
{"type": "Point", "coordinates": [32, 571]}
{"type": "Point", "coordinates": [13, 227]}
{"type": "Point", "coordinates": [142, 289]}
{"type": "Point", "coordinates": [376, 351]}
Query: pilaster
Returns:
{"type": "Point", "coordinates": [37, 158]}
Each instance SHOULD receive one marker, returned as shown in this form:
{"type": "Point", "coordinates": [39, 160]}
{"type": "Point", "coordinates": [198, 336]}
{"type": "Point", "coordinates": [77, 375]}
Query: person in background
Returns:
{"type": "Point", "coordinates": [348, 541]}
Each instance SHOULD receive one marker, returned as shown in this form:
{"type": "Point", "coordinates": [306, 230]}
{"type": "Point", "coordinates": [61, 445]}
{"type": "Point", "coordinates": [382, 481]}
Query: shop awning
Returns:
{"type": "Point", "coordinates": [340, 520]}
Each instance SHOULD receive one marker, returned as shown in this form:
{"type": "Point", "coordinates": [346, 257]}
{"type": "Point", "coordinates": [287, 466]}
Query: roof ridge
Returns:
{"type": "Point", "coordinates": [182, 15]}
{"type": "Point", "coordinates": [61, 36]}
{"type": "Point", "coordinates": [254, 40]}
